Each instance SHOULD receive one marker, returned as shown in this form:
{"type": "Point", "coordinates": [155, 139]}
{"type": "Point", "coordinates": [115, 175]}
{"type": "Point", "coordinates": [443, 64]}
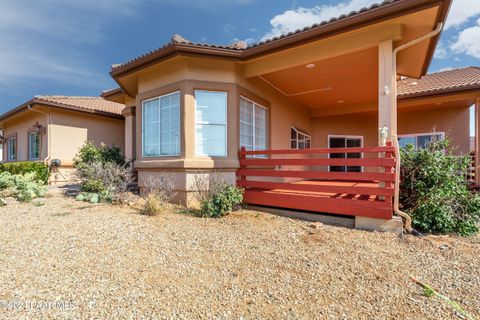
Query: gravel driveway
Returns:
{"type": "Point", "coordinates": [74, 260]}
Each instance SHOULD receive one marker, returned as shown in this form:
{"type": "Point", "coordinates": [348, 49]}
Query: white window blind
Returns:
{"type": "Point", "coordinates": [210, 123]}
{"type": "Point", "coordinates": [12, 149]}
{"type": "Point", "coordinates": [253, 125]}
{"type": "Point", "coordinates": [161, 126]}
{"type": "Point", "coordinates": [34, 145]}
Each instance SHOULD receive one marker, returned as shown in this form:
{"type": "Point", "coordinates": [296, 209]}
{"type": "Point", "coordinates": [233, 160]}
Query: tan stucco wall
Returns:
{"type": "Point", "coordinates": [20, 126]}
{"type": "Point", "coordinates": [70, 130]}
{"type": "Point", "coordinates": [453, 121]}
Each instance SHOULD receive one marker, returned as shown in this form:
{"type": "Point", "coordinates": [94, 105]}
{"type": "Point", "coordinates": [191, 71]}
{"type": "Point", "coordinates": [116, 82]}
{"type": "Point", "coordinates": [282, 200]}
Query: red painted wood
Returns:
{"type": "Point", "coordinates": [360, 176]}
{"type": "Point", "coordinates": [373, 209]}
{"type": "Point", "coordinates": [323, 151]}
{"type": "Point", "coordinates": [312, 187]}
{"type": "Point", "coordinates": [365, 162]}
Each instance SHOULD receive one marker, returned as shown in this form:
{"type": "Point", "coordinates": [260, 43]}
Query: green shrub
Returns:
{"type": "Point", "coordinates": [92, 186]}
{"type": "Point", "coordinates": [434, 192]}
{"type": "Point", "coordinates": [41, 170]}
{"type": "Point", "coordinates": [89, 153]}
{"type": "Point", "coordinates": [222, 202]}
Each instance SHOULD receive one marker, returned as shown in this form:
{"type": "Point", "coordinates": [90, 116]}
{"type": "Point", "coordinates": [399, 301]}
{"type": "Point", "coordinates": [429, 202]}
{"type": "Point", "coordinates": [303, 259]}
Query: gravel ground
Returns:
{"type": "Point", "coordinates": [71, 260]}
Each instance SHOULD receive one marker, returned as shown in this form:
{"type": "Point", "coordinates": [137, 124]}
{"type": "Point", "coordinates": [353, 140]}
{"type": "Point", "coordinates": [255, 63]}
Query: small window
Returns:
{"type": "Point", "coordinates": [299, 139]}
{"type": "Point", "coordinates": [419, 140]}
{"type": "Point", "coordinates": [210, 123]}
{"type": "Point", "coordinates": [12, 149]}
{"type": "Point", "coordinates": [34, 145]}
{"type": "Point", "coordinates": [161, 126]}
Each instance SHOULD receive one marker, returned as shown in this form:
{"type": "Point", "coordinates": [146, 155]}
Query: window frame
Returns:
{"type": "Point", "coordinates": [213, 124]}
{"type": "Point", "coordinates": [416, 135]}
{"type": "Point", "coordinates": [29, 134]}
{"type": "Point", "coordinates": [297, 140]}
{"type": "Point", "coordinates": [267, 127]}
{"type": "Point", "coordinates": [362, 168]}
{"type": "Point", "coordinates": [179, 126]}
{"type": "Point", "coordinates": [9, 158]}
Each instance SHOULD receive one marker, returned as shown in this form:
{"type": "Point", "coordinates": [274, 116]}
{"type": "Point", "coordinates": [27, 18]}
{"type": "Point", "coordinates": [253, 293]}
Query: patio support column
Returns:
{"type": "Point", "coordinates": [387, 119]}
{"type": "Point", "coordinates": [129, 114]}
{"type": "Point", "coordinates": [477, 141]}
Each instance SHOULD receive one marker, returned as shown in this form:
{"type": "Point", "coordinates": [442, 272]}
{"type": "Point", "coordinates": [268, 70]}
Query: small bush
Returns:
{"type": "Point", "coordinates": [151, 206]}
{"type": "Point", "coordinates": [215, 195]}
{"type": "Point", "coordinates": [157, 194]}
{"type": "Point", "coordinates": [433, 190]}
{"type": "Point", "coordinates": [222, 202]}
{"type": "Point", "coordinates": [41, 170]}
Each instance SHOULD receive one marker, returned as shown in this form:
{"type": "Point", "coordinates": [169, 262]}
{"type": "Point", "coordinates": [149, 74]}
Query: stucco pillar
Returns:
{"type": "Point", "coordinates": [129, 114]}
{"type": "Point", "coordinates": [387, 117]}
{"type": "Point", "coordinates": [477, 141]}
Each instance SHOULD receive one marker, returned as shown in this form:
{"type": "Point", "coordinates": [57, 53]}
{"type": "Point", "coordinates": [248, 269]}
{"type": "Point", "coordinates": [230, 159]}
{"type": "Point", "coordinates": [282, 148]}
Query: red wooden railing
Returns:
{"type": "Point", "coordinates": [365, 193]}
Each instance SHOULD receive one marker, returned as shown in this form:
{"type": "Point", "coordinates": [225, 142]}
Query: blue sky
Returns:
{"type": "Point", "coordinates": [67, 46]}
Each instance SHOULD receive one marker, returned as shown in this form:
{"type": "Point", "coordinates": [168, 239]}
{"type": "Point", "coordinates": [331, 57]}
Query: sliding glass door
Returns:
{"type": "Point", "coordinates": [345, 142]}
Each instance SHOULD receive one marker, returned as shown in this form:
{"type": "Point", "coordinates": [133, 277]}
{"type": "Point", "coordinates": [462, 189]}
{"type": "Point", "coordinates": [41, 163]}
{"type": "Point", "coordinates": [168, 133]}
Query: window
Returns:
{"type": "Point", "coordinates": [34, 145]}
{"type": "Point", "coordinates": [12, 149]}
{"type": "Point", "coordinates": [345, 142]}
{"type": "Point", "coordinates": [299, 139]}
{"type": "Point", "coordinates": [161, 126]}
{"type": "Point", "coordinates": [253, 125]}
{"type": "Point", "coordinates": [210, 123]}
{"type": "Point", "coordinates": [419, 140]}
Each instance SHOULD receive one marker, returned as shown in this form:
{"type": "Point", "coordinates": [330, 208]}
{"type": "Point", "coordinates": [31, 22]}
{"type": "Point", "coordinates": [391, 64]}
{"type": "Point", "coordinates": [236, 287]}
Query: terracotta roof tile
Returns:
{"type": "Point", "coordinates": [241, 46]}
{"type": "Point", "coordinates": [83, 103]}
{"type": "Point", "coordinates": [445, 81]}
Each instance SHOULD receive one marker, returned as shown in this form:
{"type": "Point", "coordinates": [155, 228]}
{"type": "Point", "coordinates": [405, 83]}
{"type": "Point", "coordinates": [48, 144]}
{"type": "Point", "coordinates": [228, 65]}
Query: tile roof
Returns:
{"type": "Point", "coordinates": [82, 103]}
{"type": "Point", "coordinates": [241, 47]}
{"type": "Point", "coordinates": [440, 82]}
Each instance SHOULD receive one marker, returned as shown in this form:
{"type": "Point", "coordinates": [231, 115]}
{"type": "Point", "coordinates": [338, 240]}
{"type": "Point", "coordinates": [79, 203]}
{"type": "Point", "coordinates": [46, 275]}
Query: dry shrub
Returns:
{"type": "Point", "coordinates": [157, 194]}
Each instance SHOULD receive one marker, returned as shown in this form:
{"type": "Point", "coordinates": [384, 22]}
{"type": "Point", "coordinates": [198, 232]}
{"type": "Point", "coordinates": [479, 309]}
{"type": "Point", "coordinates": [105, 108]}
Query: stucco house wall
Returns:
{"type": "Point", "coordinates": [68, 131]}
{"type": "Point", "coordinates": [454, 122]}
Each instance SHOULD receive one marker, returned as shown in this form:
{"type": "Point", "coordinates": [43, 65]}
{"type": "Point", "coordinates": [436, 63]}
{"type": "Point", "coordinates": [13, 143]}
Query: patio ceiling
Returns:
{"type": "Point", "coordinates": [348, 80]}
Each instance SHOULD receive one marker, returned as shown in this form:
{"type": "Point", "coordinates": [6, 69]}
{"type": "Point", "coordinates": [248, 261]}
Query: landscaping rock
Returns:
{"type": "Point", "coordinates": [107, 262]}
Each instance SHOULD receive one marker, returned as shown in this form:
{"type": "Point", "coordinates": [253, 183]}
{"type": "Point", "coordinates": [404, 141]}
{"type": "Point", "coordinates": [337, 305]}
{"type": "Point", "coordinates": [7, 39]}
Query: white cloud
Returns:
{"type": "Point", "coordinates": [441, 52]}
{"type": "Point", "coordinates": [468, 41]}
{"type": "Point", "coordinates": [299, 18]}
{"type": "Point", "coordinates": [461, 12]}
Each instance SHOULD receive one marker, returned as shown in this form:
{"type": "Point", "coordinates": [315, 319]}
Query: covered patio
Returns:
{"type": "Point", "coordinates": [344, 165]}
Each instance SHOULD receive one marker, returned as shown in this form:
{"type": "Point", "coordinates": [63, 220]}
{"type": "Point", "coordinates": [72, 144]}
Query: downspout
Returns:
{"type": "Point", "coordinates": [396, 200]}
{"type": "Point", "coordinates": [48, 131]}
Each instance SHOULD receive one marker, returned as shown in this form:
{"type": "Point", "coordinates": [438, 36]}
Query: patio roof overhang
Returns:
{"type": "Point", "coordinates": [398, 20]}
{"type": "Point", "coordinates": [341, 74]}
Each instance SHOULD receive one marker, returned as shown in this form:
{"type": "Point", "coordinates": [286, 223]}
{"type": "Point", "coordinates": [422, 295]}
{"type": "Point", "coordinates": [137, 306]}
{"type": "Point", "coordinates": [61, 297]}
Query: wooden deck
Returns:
{"type": "Point", "coordinates": [367, 194]}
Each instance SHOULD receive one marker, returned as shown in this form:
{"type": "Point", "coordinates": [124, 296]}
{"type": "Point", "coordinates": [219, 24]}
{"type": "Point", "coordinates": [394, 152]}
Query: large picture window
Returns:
{"type": "Point", "coordinates": [12, 149]}
{"type": "Point", "coordinates": [253, 125]}
{"type": "Point", "coordinates": [420, 140]}
{"type": "Point", "coordinates": [161, 126]}
{"type": "Point", "coordinates": [34, 145]}
{"type": "Point", "coordinates": [210, 123]}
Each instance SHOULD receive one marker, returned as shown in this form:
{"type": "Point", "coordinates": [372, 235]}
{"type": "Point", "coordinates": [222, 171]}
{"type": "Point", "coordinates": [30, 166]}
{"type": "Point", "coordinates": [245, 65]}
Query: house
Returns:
{"type": "Point", "coordinates": [295, 103]}
{"type": "Point", "coordinates": [55, 127]}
